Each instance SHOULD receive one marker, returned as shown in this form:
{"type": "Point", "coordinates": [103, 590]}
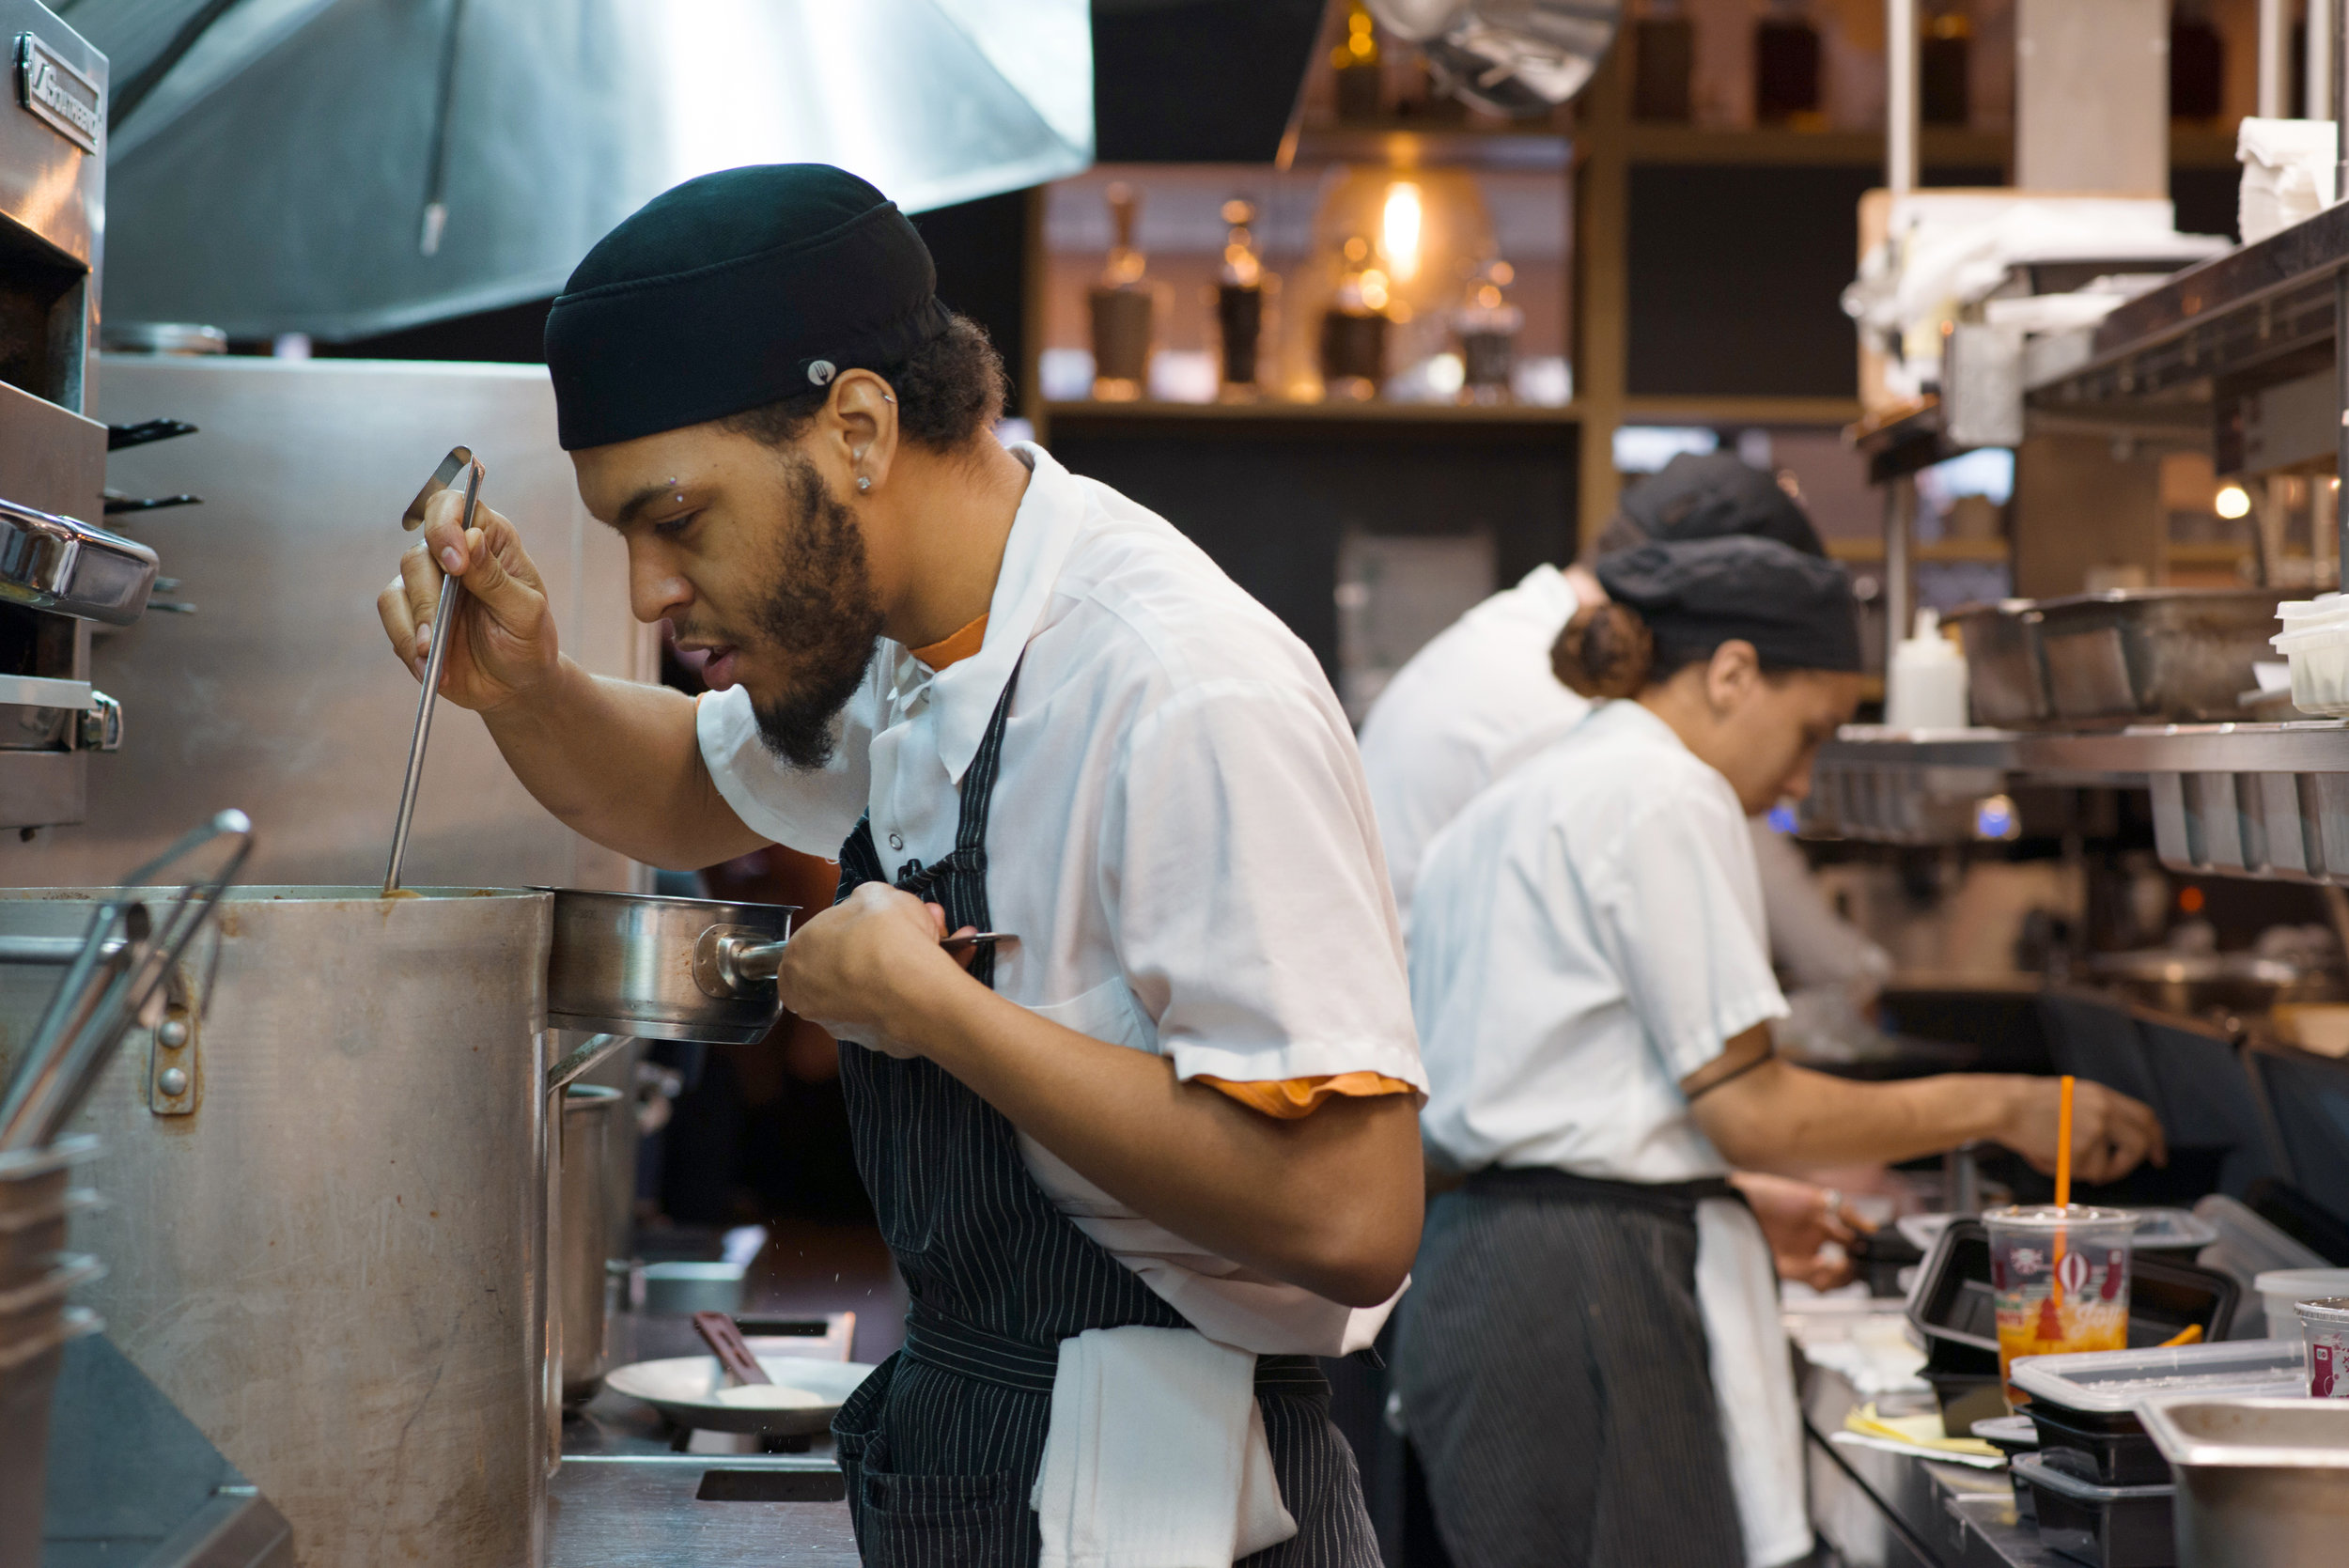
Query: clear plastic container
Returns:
{"type": "Point", "coordinates": [2315, 640]}
{"type": "Point", "coordinates": [2284, 1289]}
{"type": "Point", "coordinates": [2325, 1336]}
{"type": "Point", "coordinates": [2117, 1381]}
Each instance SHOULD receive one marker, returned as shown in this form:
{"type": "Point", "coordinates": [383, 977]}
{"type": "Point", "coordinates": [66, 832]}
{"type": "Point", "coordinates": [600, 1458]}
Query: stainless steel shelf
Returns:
{"type": "Point", "coordinates": [2119, 757]}
{"type": "Point", "coordinates": [2259, 310]}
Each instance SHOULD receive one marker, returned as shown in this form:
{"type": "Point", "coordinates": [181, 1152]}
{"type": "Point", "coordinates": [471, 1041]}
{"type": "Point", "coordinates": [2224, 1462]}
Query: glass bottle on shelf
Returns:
{"type": "Point", "coordinates": [1123, 307]}
{"type": "Point", "coordinates": [1663, 64]}
{"type": "Point", "coordinates": [1353, 328]}
{"type": "Point", "coordinates": [1488, 328]}
{"type": "Point", "coordinates": [1239, 292]}
{"type": "Point", "coordinates": [1787, 68]}
{"type": "Point", "coordinates": [1942, 91]}
{"type": "Point", "coordinates": [1360, 72]}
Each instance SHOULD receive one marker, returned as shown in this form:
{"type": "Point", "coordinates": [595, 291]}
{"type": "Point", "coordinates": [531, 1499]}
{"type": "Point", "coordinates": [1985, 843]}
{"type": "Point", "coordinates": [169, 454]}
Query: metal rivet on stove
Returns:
{"type": "Point", "coordinates": [172, 1033]}
{"type": "Point", "coordinates": [173, 1081]}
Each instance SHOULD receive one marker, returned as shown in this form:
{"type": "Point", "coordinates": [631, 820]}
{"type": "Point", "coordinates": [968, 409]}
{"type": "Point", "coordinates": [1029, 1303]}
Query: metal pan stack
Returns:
{"type": "Point", "coordinates": [37, 1274]}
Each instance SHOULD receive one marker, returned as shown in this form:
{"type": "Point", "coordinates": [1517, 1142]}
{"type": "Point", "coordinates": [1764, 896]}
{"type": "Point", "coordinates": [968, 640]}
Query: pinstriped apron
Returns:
{"type": "Point", "coordinates": [941, 1444]}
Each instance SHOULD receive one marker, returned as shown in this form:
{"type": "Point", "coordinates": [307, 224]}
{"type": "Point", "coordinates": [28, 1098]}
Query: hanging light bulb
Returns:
{"type": "Point", "coordinates": [1399, 226]}
{"type": "Point", "coordinates": [2232, 501]}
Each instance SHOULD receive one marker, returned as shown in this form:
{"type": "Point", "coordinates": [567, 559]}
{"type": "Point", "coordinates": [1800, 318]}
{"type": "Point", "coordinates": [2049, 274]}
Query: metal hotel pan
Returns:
{"type": "Point", "coordinates": [2169, 653]}
{"type": "Point", "coordinates": [2006, 670]}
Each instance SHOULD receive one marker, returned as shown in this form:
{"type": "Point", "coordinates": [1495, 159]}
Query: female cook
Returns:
{"type": "Point", "coordinates": [1590, 1361]}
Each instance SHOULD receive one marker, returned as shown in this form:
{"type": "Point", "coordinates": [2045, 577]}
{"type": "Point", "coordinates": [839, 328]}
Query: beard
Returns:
{"type": "Point", "coordinates": [818, 614]}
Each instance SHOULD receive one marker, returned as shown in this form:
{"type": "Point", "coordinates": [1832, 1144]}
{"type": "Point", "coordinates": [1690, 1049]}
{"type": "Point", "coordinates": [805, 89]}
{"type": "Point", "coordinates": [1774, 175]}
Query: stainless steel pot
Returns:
{"type": "Point", "coordinates": [666, 968]}
{"type": "Point", "coordinates": [583, 1238]}
{"type": "Point", "coordinates": [328, 1246]}
{"type": "Point", "coordinates": [2175, 654]}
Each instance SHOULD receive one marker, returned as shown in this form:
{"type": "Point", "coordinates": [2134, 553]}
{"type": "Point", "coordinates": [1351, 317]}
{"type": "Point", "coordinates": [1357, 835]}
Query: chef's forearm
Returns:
{"type": "Point", "coordinates": [1781, 1115]}
{"type": "Point", "coordinates": [1330, 1202]}
{"type": "Point", "coordinates": [619, 762]}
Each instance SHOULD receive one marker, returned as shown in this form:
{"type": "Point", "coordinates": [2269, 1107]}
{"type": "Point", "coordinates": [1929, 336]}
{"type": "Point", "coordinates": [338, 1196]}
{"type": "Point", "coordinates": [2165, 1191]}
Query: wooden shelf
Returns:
{"type": "Point", "coordinates": [1939, 146]}
{"type": "Point", "coordinates": [1330, 414]}
{"type": "Point", "coordinates": [1651, 409]}
{"type": "Point", "coordinates": [1943, 551]}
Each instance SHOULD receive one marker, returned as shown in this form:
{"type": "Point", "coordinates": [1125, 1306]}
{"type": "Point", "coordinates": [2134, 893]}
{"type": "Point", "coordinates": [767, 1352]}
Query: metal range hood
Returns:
{"type": "Point", "coordinates": [350, 167]}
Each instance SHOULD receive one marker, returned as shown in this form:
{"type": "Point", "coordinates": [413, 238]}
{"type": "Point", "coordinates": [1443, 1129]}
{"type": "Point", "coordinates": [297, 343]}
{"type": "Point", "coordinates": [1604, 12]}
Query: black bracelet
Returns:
{"type": "Point", "coordinates": [1769, 1052]}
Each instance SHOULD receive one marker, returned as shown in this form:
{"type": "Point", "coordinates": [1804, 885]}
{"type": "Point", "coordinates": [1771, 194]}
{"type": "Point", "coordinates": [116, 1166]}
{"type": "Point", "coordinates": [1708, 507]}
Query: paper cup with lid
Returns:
{"type": "Point", "coordinates": [2062, 1278]}
{"type": "Point", "coordinates": [2325, 1340]}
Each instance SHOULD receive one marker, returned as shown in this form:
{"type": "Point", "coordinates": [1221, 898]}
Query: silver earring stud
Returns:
{"type": "Point", "coordinates": [886, 399]}
{"type": "Point", "coordinates": [862, 483]}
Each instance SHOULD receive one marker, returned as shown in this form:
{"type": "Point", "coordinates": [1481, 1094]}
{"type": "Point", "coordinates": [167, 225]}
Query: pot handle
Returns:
{"type": "Point", "coordinates": [580, 1061]}
{"type": "Point", "coordinates": [730, 960]}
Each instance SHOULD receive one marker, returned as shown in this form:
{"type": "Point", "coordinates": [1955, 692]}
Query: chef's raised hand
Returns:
{"type": "Point", "coordinates": [2111, 1134]}
{"type": "Point", "coordinates": [504, 642]}
{"type": "Point", "coordinates": [853, 968]}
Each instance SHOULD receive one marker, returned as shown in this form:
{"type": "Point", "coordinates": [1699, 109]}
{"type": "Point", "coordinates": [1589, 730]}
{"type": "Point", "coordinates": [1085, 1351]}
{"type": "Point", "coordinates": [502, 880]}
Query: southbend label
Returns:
{"type": "Point", "coordinates": [53, 90]}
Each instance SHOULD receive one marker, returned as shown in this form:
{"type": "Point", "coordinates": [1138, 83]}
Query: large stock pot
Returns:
{"type": "Point", "coordinates": [326, 1225]}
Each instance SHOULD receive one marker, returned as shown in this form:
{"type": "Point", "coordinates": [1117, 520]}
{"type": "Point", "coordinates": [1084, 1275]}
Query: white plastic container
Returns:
{"type": "Point", "coordinates": [2285, 1289]}
{"type": "Point", "coordinates": [2315, 642]}
{"type": "Point", "coordinates": [1925, 686]}
{"type": "Point", "coordinates": [2112, 1382]}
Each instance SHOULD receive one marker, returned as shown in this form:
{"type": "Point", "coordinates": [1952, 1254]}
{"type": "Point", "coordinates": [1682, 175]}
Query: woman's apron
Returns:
{"type": "Point", "coordinates": [1653, 1269]}
{"type": "Point", "coordinates": [942, 1443]}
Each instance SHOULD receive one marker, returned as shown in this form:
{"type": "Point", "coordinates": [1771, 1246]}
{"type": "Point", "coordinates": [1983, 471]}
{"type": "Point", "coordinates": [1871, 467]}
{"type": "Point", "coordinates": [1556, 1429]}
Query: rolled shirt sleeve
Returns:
{"type": "Point", "coordinates": [1249, 896]}
{"type": "Point", "coordinates": [810, 810]}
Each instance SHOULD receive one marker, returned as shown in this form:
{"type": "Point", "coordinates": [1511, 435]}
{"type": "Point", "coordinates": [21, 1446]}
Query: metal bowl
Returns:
{"type": "Point", "coordinates": [623, 964]}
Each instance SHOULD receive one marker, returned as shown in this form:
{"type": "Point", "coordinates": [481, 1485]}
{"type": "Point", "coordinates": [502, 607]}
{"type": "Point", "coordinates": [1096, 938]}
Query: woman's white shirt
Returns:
{"type": "Point", "coordinates": [1180, 837]}
{"type": "Point", "coordinates": [1584, 935]}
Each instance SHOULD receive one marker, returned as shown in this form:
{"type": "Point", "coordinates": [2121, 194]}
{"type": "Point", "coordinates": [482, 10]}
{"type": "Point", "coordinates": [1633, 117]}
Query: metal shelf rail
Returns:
{"type": "Point", "coordinates": [2262, 800]}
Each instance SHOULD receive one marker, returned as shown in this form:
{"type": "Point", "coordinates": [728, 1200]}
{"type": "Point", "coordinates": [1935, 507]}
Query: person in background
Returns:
{"type": "Point", "coordinates": [1591, 1361]}
{"type": "Point", "coordinates": [1481, 698]}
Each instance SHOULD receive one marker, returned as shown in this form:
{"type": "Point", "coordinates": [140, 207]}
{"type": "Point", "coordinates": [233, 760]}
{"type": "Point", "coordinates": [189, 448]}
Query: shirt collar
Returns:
{"type": "Point", "coordinates": [963, 696]}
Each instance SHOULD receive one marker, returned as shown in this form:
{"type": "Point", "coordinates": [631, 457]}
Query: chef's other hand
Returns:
{"type": "Point", "coordinates": [852, 967]}
{"type": "Point", "coordinates": [2111, 1134]}
{"type": "Point", "coordinates": [503, 644]}
{"type": "Point", "coordinates": [1799, 1219]}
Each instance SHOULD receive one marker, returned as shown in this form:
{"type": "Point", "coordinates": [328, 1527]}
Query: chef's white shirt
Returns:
{"type": "Point", "coordinates": [1588, 933]}
{"type": "Point", "coordinates": [1180, 836]}
{"type": "Point", "coordinates": [1477, 700]}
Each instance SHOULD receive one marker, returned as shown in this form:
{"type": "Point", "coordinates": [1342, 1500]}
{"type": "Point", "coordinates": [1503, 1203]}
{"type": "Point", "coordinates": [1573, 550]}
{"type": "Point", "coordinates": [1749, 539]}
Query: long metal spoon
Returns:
{"type": "Point", "coordinates": [461, 459]}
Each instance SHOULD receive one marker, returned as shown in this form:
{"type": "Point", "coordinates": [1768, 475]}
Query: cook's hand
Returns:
{"type": "Point", "coordinates": [503, 644]}
{"type": "Point", "coordinates": [852, 967]}
{"type": "Point", "coordinates": [1799, 1219]}
{"type": "Point", "coordinates": [2111, 1134]}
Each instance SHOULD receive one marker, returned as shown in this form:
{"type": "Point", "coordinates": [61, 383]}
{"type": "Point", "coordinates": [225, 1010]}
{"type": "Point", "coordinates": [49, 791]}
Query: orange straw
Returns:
{"type": "Point", "coordinates": [2064, 1157]}
{"type": "Point", "coordinates": [2063, 1146]}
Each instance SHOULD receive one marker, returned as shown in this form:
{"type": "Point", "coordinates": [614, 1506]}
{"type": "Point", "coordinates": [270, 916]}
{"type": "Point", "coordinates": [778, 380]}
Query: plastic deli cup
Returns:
{"type": "Point", "coordinates": [2324, 1337]}
{"type": "Point", "coordinates": [2062, 1278]}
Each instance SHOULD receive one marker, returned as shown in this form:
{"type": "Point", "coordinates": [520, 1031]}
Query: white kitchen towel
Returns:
{"type": "Point", "coordinates": [1157, 1455]}
{"type": "Point", "coordinates": [1753, 1381]}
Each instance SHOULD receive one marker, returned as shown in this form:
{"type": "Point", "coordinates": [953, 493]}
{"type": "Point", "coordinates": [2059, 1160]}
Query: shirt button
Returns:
{"type": "Point", "coordinates": [896, 841]}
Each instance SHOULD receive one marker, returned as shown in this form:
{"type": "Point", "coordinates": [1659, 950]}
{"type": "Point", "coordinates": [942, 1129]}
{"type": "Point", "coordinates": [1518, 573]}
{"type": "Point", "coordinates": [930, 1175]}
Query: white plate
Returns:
{"type": "Point", "coordinates": [685, 1388]}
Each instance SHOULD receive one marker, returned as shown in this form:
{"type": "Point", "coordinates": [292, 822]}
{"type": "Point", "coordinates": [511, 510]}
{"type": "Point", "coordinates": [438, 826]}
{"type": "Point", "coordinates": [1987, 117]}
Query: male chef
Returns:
{"type": "Point", "coordinates": [1138, 1165]}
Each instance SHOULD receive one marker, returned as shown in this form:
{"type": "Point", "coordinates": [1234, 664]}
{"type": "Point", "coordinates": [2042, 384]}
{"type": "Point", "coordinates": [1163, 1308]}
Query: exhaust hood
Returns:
{"type": "Point", "coordinates": [349, 167]}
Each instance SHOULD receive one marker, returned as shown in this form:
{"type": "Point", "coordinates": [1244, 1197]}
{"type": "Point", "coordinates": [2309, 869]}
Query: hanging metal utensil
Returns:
{"type": "Point", "coordinates": [156, 931]}
{"type": "Point", "coordinates": [117, 932]}
{"type": "Point", "coordinates": [460, 460]}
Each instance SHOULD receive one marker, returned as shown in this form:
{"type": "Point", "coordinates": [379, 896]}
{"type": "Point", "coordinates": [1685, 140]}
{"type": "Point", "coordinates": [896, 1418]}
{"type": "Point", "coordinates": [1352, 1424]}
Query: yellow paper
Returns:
{"type": "Point", "coordinates": [1923, 1431]}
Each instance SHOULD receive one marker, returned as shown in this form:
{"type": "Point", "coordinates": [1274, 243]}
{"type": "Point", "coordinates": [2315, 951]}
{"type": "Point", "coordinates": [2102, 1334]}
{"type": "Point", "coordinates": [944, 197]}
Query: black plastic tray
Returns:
{"type": "Point", "coordinates": [2111, 1449]}
{"type": "Point", "coordinates": [1953, 1301]}
{"type": "Point", "coordinates": [2107, 1527]}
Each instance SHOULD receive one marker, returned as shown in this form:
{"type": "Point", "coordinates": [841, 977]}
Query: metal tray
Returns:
{"type": "Point", "coordinates": [2172, 654]}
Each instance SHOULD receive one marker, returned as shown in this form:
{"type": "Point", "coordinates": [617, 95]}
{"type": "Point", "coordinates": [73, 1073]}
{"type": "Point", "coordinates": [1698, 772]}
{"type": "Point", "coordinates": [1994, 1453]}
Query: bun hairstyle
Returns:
{"type": "Point", "coordinates": [1607, 651]}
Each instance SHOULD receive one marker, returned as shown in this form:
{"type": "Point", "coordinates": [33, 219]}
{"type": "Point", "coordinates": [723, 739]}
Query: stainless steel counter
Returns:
{"type": "Point", "coordinates": [649, 1511]}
